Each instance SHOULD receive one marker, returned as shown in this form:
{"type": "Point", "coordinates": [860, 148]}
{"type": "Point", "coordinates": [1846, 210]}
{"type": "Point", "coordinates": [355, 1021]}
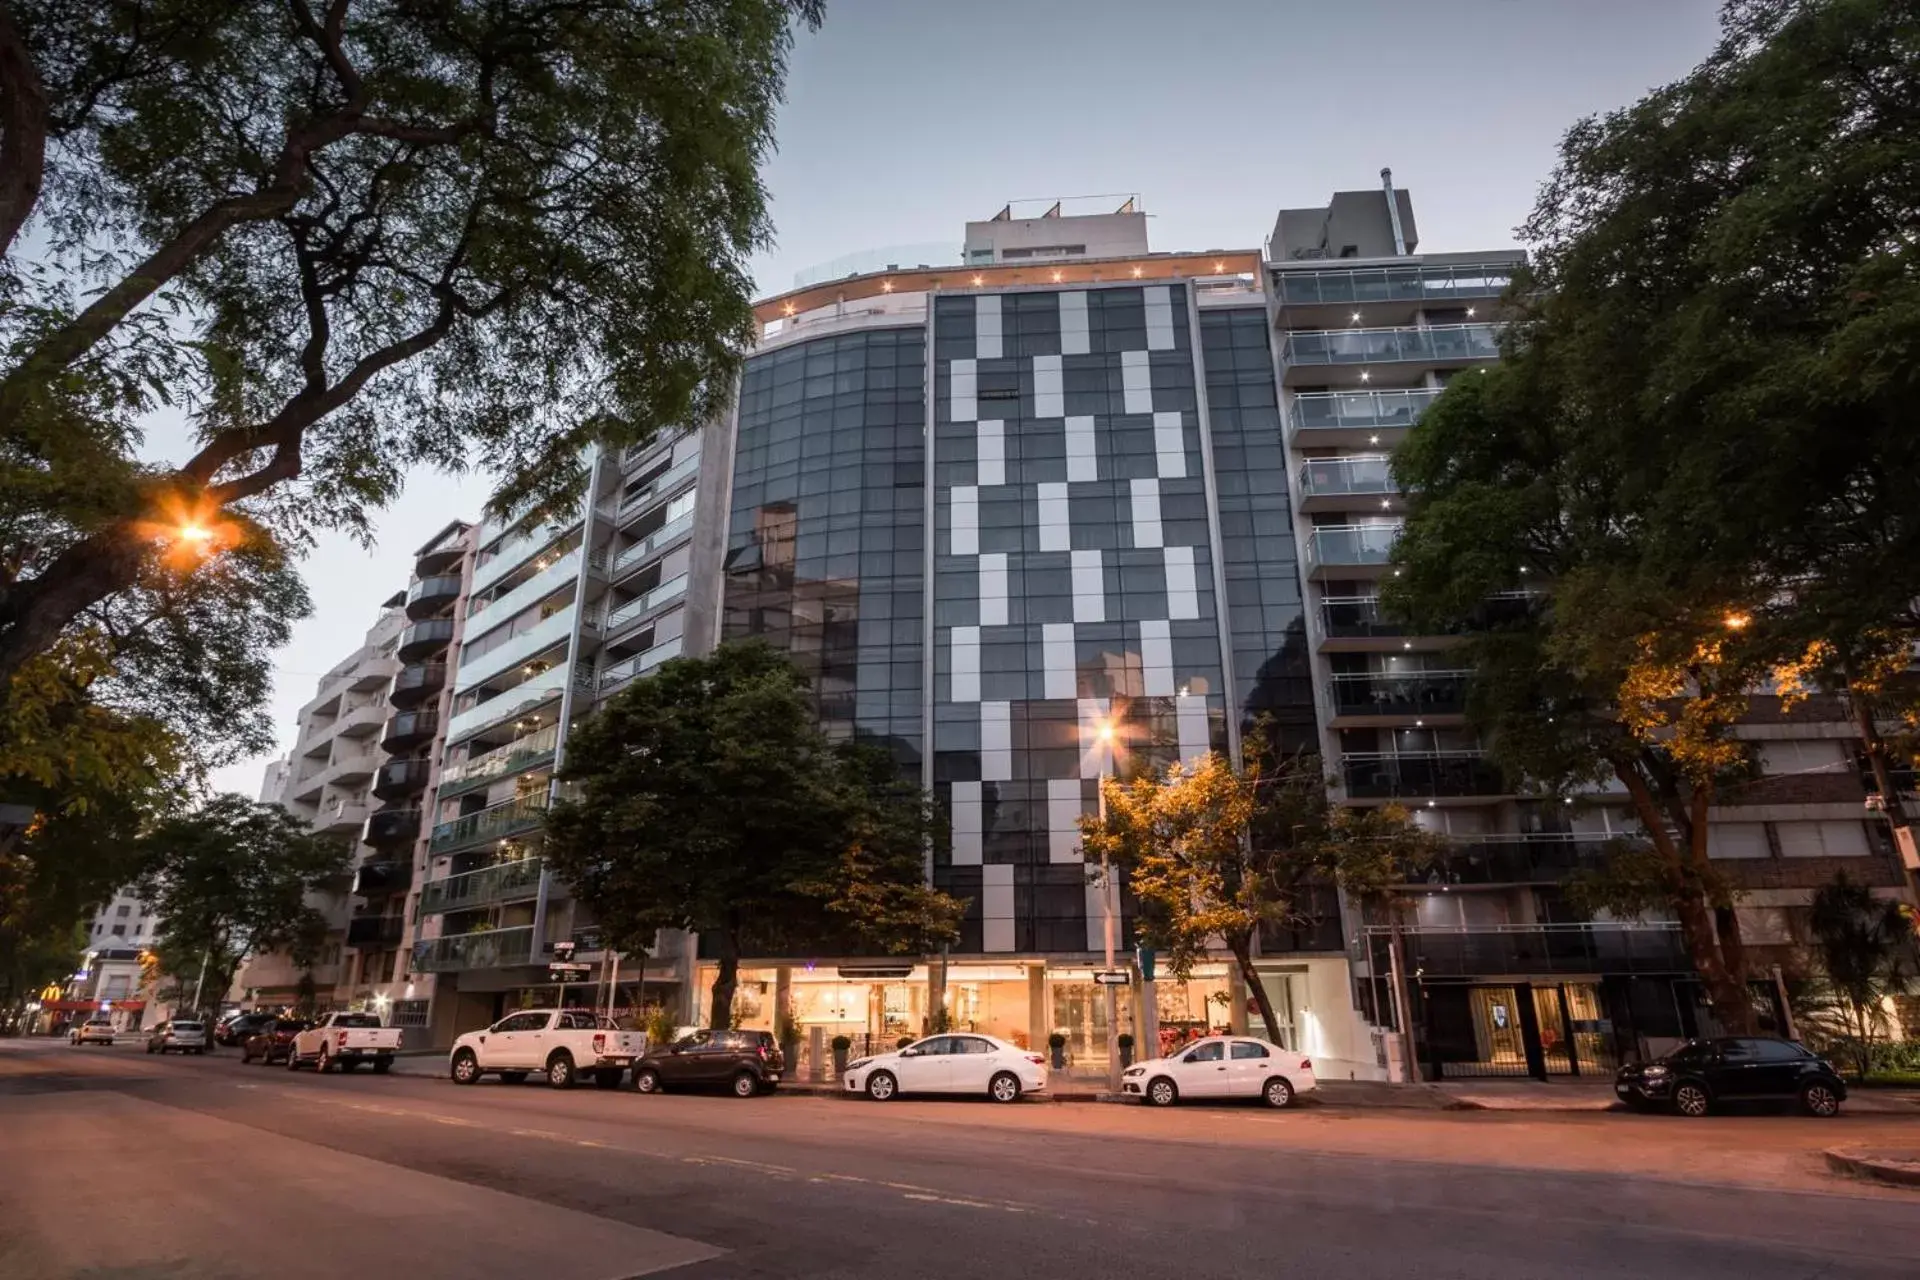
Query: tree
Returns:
{"type": "Point", "coordinates": [1213, 851]}
{"type": "Point", "coordinates": [1865, 946]}
{"type": "Point", "coordinates": [348, 237]}
{"type": "Point", "coordinates": [706, 798]}
{"type": "Point", "coordinates": [232, 879]}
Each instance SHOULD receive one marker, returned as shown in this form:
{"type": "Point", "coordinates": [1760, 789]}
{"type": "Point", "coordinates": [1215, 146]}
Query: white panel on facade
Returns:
{"type": "Point", "coordinates": [1156, 658]}
{"type": "Point", "coordinates": [1073, 323]}
{"type": "Point", "coordinates": [1191, 712]}
{"type": "Point", "coordinates": [1737, 840]}
{"type": "Point", "coordinates": [1097, 916]}
{"type": "Point", "coordinates": [1822, 839]}
{"type": "Point", "coordinates": [966, 664]}
{"type": "Point", "coordinates": [1096, 754]}
{"type": "Point", "coordinates": [965, 388]}
{"type": "Point", "coordinates": [1146, 512]}
{"type": "Point", "coordinates": [993, 589]}
{"type": "Point", "coordinates": [1056, 534]}
{"type": "Point", "coordinates": [966, 813]}
{"type": "Point", "coordinates": [964, 512]}
{"type": "Point", "coordinates": [1056, 647]}
{"type": "Point", "coordinates": [990, 452]}
{"type": "Point", "coordinates": [996, 907]}
{"type": "Point", "coordinates": [1819, 755]}
{"type": "Point", "coordinates": [1049, 391]}
{"type": "Point", "coordinates": [1063, 820]}
{"type": "Point", "coordinates": [996, 742]}
{"type": "Point", "coordinates": [1169, 445]}
{"type": "Point", "coordinates": [1136, 382]}
{"type": "Point", "coordinates": [1183, 587]}
{"type": "Point", "coordinates": [1089, 587]}
{"type": "Point", "coordinates": [1082, 462]}
{"type": "Point", "coordinates": [1159, 300]}
{"type": "Point", "coordinates": [986, 326]}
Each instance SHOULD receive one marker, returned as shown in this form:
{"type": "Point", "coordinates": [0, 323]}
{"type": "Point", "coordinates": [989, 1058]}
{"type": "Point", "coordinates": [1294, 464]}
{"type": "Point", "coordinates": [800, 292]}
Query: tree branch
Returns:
{"type": "Point", "coordinates": [23, 131]}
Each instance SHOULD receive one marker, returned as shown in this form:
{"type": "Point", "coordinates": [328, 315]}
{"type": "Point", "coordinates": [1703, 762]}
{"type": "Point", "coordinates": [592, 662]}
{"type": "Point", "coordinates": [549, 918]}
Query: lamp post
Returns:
{"type": "Point", "coordinates": [1109, 909]}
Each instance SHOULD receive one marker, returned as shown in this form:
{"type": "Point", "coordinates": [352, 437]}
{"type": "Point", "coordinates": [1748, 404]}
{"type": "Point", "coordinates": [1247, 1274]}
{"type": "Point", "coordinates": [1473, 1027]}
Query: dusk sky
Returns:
{"type": "Point", "coordinates": [905, 119]}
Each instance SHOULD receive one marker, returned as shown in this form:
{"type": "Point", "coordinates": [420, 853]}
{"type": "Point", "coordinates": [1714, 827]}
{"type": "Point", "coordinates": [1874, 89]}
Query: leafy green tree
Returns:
{"type": "Point", "coordinates": [706, 798]}
{"type": "Point", "coordinates": [232, 879]}
{"type": "Point", "coordinates": [349, 236]}
{"type": "Point", "coordinates": [1213, 851]}
{"type": "Point", "coordinates": [1865, 947]}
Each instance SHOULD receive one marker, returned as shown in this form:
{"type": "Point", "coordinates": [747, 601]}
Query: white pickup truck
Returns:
{"type": "Point", "coordinates": [562, 1044]}
{"type": "Point", "coordinates": [342, 1041]}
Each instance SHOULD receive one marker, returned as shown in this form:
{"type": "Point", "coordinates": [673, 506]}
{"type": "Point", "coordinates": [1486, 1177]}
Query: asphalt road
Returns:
{"type": "Point", "coordinates": [116, 1164]}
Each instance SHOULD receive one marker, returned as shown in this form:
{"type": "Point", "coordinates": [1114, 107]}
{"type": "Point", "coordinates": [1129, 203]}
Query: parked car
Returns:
{"type": "Point", "coordinates": [178, 1035]}
{"type": "Point", "coordinates": [746, 1062]}
{"type": "Point", "coordinates": [342, 1041]}
{"type": "Point", "coordinates": [273, 1042]}
{"type": "Point", "coordinates": [237, 1028]}
{"type": "Point", "coordinates": [969, 1064]}
{"type": "Point", "coordinates": [563, 1044]}
{"type": "Point", "coordinates": [92, 1031]}
{"type": "Point", "coordinates": [1705, 1075]}
{"type": "Point", "coordinates": [1222, 1067]}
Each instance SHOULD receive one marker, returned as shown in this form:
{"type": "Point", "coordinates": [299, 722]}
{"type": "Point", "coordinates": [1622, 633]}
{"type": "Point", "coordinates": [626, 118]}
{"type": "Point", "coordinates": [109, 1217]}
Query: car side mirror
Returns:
{"type": "Point", "coordinates": [909, 1053]}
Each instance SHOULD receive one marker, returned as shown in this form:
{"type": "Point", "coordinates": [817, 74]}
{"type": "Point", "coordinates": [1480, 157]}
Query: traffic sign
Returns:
{"type": "Point", "coordinates": [568, 972]}
{"type": "Point", "coordinates": [1111, 978]}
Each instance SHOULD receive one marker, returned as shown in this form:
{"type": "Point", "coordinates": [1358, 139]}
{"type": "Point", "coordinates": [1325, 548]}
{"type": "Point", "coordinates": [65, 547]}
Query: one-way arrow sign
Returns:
{"type": "Point", "coordinates": [1112, 978]}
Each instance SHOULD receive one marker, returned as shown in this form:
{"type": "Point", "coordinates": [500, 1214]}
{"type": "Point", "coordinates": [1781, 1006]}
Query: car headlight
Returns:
{"type": "Point", "coordinates": [1135, 1071]}
{"type": "Point", "coordinates": [858, 1063]}
{"type": "Point", "coordinates": [1654, 1072]}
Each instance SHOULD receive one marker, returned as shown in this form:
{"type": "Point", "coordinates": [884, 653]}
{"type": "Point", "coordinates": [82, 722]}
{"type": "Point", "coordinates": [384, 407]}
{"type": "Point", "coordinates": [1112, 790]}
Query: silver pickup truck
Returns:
{"type": "Point", "coordinates": [342, 1041]}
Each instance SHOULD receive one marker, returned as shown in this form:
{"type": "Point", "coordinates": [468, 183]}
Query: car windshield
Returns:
{"type": "Point", "coordinates": [1691, 1051]}
{"type": "Point", "coordinates": [289, 1026]}
{"type": "Point", "coordinates": [356, 1020]}
{"type": "Point", "coordinates": [186, 1026]}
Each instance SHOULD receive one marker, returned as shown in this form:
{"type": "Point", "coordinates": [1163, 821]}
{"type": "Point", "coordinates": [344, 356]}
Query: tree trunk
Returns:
{"type": "Point", "coordinates": [725, 979]}
{"type": "Point", "coordinates": [1242, 948]}
{"type": "Point", "coordinates": [36, 612]}
{"type": "Point", "coordinates": [1875, 746]}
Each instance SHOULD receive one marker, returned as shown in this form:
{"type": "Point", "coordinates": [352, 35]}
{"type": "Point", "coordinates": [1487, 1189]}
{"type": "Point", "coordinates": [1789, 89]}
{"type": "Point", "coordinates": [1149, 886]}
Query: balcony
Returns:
{"type": "Point", "coordinates": [512, 651]}
{"type": "Point", "coordinates": [1542, 857]}
{"type": "Point", "coordinates": [487, 949]}
{"type": "Point", "coordinates": [1356, 418]}
{"type": "Point", "coordinates": [643, 607]}
{"type": "Point", "coordinates": [1322, 355]}
{"type": "Point", "coordinates": [1390, 775]}
{"type": "Point", "coordinates": [484, 615]}
{"type": "Point", "coordinates": [410, 729]}
{"type": "Point", "coordinates": [496, 822]}
{"type": "Point", "coordinates": [393, 826]}
{"type": "Point", "coordinates": [429, 596]}
{"type": "Point", "coordinates": [1369, 697]}
{"type": "Point", "coordinates": [342, 814]}
{"type": "Point", "coordinates": [398, 777]}
{"type": "Point", "coordinates": [530, 752]}
{"type": "Point", "coordinates": [415, 684]}
{"type": "Point", "coordinates": [442, 555]}
{"type": "Point", "coordinates": [382, 875]}
{"type": "Point", "coordinates": [641, 663]}
{"type": "Point", "coordinates": [376, 931]}
{"type": "Point", "coordinates": [1388, 292]}
{"type": "Point", "coordinates": [347, 765]}
{"type": "Point", "coordinates": [501, 882]}
{"type": "Point", "coordinates": [1523, 949]}
{"type": "Point", "coordinates": [654, 544]}
{"type": "Point", "coordinates": [1350, 483]}
{"type": "Point", "coordinates": [515, 702]}
{"type": "Point", "coordinates": [424, 639]}
{"type": "Point", "coordinates": [1350, 550]}
{"type": "Point", "coordinates": [660, 486]}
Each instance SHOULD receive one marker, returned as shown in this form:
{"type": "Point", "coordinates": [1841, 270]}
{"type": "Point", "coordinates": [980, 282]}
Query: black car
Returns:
{"type": "Point", "coordinates": [242, 1026]}
{"type": "Point", "coordinates": [273, 1042]}
{"type": "Point", "coordinates": [1702, 1075]}
{"type": "Point", "coordinates": [745, 1062]}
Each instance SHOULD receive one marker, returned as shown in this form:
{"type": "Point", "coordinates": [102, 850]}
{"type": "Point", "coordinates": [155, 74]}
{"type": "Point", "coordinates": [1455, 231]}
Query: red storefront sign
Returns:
{"type": "Point", "coordinates": [91, 1006]}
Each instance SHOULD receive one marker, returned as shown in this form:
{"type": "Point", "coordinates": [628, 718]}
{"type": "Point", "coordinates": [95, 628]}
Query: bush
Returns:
{"type": "Point", "coordinates": [1897, 1056]}
{"type": "Point", "coordinates": [842, 1043]}
{"type": "Point", "coordinates": [1056, 1041]}
{"type": "Point", "coordinates": [903, 1042]}
{"type": "Point", "coordinates": [1124, 1040]}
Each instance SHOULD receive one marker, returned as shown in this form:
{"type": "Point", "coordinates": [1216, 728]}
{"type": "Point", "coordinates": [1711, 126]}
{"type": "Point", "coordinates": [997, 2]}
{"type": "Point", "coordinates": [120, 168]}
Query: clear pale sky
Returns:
{"type": "Point", "coordinates": [906, 118]}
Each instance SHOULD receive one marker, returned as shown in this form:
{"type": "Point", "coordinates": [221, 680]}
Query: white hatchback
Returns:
{"type": "Point", "coordinates": [966, 1064]}
{"type": "Point", "coordinates": [1222, 1067]}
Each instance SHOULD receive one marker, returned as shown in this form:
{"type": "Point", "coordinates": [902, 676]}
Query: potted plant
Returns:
{"type": "Point", "coordinates": [1058, 1044]}
{"type": "Point", "coordinates": [1125, 1040]}
{"type": "Point", "coordinates": [786, 1028]}
{"type": "Point", "coordinates": [840, 1046]}
{"type": "Point", "coordinates": [903, 1042]}
{"type": "Point", "coordinates": [659, 1027]}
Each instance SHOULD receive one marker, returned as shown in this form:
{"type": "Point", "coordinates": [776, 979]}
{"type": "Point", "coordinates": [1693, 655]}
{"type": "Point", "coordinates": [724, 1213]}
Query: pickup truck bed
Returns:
{"type": "Point", "coordinates": [341, 1042]}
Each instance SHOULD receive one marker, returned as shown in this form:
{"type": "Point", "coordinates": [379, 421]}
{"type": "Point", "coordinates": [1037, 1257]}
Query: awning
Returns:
{"type": "Point", "coordinates": [91, 1006]}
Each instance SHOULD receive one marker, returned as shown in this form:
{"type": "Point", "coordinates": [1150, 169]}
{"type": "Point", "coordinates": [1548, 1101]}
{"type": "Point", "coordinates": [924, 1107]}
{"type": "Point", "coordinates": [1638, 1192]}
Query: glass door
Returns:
{"type": "Point", "coordinates": [1547, 1011]}
{"type": "Point", "coordinates": [1496, 1027]}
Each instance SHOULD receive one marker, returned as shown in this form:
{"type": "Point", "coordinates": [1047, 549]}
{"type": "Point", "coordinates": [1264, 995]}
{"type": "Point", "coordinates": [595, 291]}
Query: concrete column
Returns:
{"type": "Point", "coordinates": [1237, 1009]}
{"type": "Point", "coordinates": [782, 997]}
{"type": "Point", "coordinates": [1038, 1023]}
{"type": "Point", "coordinates": [936, 991]}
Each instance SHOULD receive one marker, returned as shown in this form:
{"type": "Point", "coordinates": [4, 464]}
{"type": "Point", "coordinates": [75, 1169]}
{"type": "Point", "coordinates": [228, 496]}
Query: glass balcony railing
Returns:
{"type": "Point", "coordinates": [1351, 544]}
{"type": "Point", "coordinates": [660, 485]}
{"type": "Point", "coordinates": [382, 875]}
{"type": "Point", "coordinates": [1361, 475]}
{"type": "Point", "coordinates": [501, 882]}
{"type": "Point", "coordinates": [1435, 284]}
{"type": "Point", "coordinates": [495, 822]}
{"type": "Point", "coordinates": [414, 684]}
{"type": "Point", "coordinates": [654, 543]}
{"type": "Point", "coordinates": [392, 826]}
{"type": "Point", "coordinates": [1539, 857]}
{"type": "Point", "coordinates": [640, 663]}
{"type": "Point", "coordinates": [375, 931]}
{"type": "Point", "coordinates": [1385, 775]}
{"type": "Point", "coordinates": [1438, 344]}
{"type": "Point", "coordinates": [1609, 947]}
{"type": "Point", "coordinates": [512, 651]}
{"type": "Point", "coordinates": [522, 753]}
{"type": "Point", "coordinates": [487, 949]}
{"type": "Point", "coordinates": [1360, 410]}
{"type": "Point", "coordinates": [424, 638]}
{"type": "Point", "coordinates": [517, 701]}
{"type": "Point", "coordinates": [1356, 618]}
{"type": "Point", "coordinates": [483, 615]}
{"type": "Point", "coordinates": [1419, 693]}
{"type": "Point", "coordinates": [641, 606]}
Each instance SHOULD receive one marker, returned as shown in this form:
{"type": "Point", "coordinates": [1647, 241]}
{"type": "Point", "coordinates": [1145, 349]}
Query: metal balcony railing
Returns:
{"type": "Point", "coordinates": [1363, 475]}
{"type": "Point", "coordinates": [640, 606]}
{"type": "Point", "coordinates": [487, 949]}
{"type": "Point", "coordinates": [1600, 947]}
{"type": "Point", "coordinates": [375, 931]}
{"type": "Point", "coordinates": [522, 753]}
{"type": "Point", "coordinates": [500, 882]}
{"type": "Point", "coordinates": [496, 822]}
{"type": "Point", "coordinates": [1349, 410]}
{"type": "Point", "coordinates": [660, 485]}
{"type": "Point", "coordinates": [1539, 857]}
{"type": "Point", "coordinates": [1351, 544]}
{"type": "Point", "coordinates": [640, 663]}
{"type": "Point", "coordinates": [1436, 344]}
{"type": "Point", "coordinates": [1435, 284]}
{"type": "Point", "coordinates": [1386, 775]}
{"type": "Point", "coordinates": [1413, 693]}
{"type": "Point", "coordinates": [654, 543]}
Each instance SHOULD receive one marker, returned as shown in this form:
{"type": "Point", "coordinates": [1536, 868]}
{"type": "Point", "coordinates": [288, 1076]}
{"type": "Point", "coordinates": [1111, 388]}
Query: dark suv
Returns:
{"type": "Point", "coordinates": [746, 1062]}
{"type": "Point", "coordinates": [1704, 1074]}
{"type": "Point", "coordinates": [241, 1027]}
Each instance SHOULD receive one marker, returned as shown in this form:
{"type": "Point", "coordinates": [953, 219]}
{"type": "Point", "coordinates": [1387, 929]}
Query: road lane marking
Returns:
{"type": "Point", "coordinates": [964, 1204]}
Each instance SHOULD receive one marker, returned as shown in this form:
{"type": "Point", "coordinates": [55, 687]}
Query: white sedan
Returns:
{"type": "Point", "coordinates": [1222, 1067]}
{"type": "Point", "coordinates": [968, 1064]}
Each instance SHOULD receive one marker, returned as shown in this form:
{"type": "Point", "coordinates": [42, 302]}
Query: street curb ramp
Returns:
{"type": "Point", "coordinates": [1902, 1168]}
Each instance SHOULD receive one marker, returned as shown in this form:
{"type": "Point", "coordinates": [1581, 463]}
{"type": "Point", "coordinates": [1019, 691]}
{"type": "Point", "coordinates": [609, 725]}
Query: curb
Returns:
{"type": "Point", "coordinates": [1902, 1168]}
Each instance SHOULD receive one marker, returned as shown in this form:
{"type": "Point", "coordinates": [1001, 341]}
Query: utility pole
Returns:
{"type": "Point", "coordinates": [205, 956]}
{"type": "Point", "coordinates": [1402, 1004]}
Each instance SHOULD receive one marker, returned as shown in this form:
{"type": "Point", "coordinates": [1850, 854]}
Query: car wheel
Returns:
{"type": "Point", "coordinates": [327, 1063]}
{"type": "Point", "coordinates": [246, 1056]}
{"type": "Point", "coordinates": [560, 1070]}
{"type": "Point", "coordinates": [513, 1077]}
{"type": "Point", "coordinates": [149, 1048]}
{"type": "Point", "coordinates": [1819, 1099]}
{"type": "Point", "coordinates": [1690, 1099]}
{"type": "Point", "coordinates": [466, 1068]}
{"type": "Point", "coordinates": [1004, 1087]}
{"type": "Point", "coordinates": [646, 1080]}
{"type": "Point", "coordinates": [745, 1085]}
{"type": "Point", "coordinates": [1278, 1093]}
{"type": "Point", "coordinates": [382, 1065]}
{"type": "Point", "coordinates": [608, 1079]}
{"type": "Point", "coordinates": [1162, 1092]}
{"type": "Point", "coordinates": [293, 1058]}
{"type": "Point", "coordinates": [881, 1086]}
